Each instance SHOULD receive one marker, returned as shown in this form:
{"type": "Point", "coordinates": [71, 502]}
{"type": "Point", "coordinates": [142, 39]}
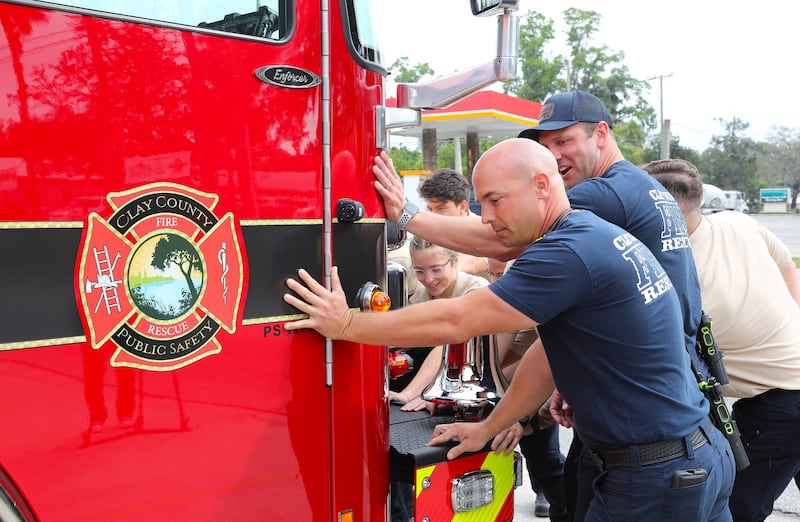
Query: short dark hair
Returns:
{"type": "Point", "coordinates": [445, 185]}
{"type": "Point", "coordinates": [589, 127]}
{"type": "Point", "coordinates": [680, 177]}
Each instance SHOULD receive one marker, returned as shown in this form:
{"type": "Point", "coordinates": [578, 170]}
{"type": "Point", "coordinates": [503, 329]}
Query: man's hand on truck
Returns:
{"type": "Point", "coordinates": [473, 436]}
{"type": "Point", "coordinates": [389, 186]}
{"type": "Point", "coordinates": [328, 312]}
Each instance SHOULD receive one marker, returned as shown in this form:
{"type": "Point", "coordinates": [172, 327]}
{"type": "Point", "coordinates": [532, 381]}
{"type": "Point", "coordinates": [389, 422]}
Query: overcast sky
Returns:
{"type": "Point", "coordinates": [726, 58]}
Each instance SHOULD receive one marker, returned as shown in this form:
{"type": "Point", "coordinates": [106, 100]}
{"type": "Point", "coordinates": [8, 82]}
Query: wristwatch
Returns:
{"type": "Point", "coordinates": [409, 211]}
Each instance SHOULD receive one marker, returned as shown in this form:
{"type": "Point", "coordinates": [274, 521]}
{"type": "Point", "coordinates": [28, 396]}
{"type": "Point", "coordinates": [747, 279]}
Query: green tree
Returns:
{"type": "Point", "coordinates": [405, 158]}
{"type": "Point", "coordinates": [588, 67]}
{"type": "Point", "coordinates": [539, 73]}
{"type": "Point", "coordinates": [779, 159]}
{"type": "Point", "coordinates": [730, 162]}
{"type": "Point", "coordinates": [403, 72]}
{"type": "Point", "coordinates": [652, 151]}
{"type": "Point", "coordinates": [600, 71]}
{"type": "Point", "coordinates": [630, 137]}
{"type": "Point", "coordinates": [175, 250]}
{"type": "Point", "coordinates": [446, 154]}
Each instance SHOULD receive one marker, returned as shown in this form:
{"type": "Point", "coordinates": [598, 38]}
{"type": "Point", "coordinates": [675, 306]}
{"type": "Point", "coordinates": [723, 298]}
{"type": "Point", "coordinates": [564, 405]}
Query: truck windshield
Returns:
{"type": "Point", "coordinates": [268, 19]}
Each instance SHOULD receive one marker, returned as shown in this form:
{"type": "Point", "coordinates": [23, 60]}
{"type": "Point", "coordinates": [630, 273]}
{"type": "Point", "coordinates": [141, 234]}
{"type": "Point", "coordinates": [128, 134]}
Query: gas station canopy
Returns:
{"type": "Point", "coordinates": [487, 113]}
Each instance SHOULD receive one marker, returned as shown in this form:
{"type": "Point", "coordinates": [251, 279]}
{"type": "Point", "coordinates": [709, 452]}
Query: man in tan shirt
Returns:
{"type": "Point", "coordinates": [749, 287]}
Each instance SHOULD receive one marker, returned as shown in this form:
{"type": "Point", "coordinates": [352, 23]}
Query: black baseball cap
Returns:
{"type": "Point", "coordinates": [568, 108]}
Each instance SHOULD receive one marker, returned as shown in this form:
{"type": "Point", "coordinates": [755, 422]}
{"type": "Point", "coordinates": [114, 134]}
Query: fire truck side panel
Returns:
{"type": "Point", "coordinates": [100, 107]}
{"type": "Point", "coordinates": [360, 425]}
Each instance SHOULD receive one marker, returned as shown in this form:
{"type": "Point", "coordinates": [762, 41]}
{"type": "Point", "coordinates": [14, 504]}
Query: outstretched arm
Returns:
{"type": "Point", "coordinates": [424, 376]}
{"type": "Point", "coordinates": [436, 322]}
{"type": "Point", "coordinates": [467, 235]}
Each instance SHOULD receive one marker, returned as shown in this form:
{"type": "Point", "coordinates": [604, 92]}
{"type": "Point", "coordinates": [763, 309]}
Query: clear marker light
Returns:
{"type": "Point", "coordinates": [472, 490]}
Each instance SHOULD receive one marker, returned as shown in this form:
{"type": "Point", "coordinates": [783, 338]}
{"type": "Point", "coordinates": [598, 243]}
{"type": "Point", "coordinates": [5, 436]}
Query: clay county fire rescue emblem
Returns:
{"type": "Point", "coordinates": [160, 277]}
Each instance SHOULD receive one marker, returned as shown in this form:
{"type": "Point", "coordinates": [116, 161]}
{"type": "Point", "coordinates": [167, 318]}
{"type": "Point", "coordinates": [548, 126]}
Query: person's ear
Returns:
{"type": "Point", "coordinates": [602, 132]}
{"type": "Point", "coordinates": [541, 182]}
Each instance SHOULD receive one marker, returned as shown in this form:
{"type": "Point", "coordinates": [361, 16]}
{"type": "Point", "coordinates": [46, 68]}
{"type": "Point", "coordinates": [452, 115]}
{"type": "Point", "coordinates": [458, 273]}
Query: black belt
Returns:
{"type": "Point", "coordinates": [652, 453]}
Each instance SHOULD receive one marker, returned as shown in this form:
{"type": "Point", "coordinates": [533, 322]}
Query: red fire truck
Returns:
{"type": "Point", "coordinates": [164, 167]}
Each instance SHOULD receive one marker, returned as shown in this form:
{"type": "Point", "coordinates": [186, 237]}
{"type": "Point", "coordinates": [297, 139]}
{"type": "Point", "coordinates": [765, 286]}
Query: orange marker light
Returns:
{"type": "Point", "coordinates": [380, 302]}
{"type": "Point", "coordinates": [372, 299]}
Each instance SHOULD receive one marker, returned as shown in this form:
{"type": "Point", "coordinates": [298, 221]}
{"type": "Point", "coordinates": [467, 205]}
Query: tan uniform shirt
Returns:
{"type": "Point", "coordinates": [754, 319]}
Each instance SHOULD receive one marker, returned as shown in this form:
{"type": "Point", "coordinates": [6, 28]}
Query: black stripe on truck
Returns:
{"type": "Point", "coordinates": [275, 252]}
{"type": "Point", "coordinates": [37, 269]}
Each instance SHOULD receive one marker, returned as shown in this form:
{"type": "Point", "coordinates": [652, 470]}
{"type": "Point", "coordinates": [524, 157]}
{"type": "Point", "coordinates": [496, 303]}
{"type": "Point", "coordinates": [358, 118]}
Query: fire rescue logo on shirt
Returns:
{"type": "Point", "coordinates": [160, 277]}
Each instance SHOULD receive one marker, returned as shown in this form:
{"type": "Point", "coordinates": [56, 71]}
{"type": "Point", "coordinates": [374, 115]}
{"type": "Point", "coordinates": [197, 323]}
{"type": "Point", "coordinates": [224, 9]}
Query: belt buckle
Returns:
{"type": "Point", "coordinates": [598, 460]}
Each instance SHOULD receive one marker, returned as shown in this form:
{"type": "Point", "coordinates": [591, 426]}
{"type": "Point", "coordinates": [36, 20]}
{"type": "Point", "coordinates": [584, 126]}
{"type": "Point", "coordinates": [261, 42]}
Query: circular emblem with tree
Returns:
{"type": "Point", "coordinates": [165, 276]}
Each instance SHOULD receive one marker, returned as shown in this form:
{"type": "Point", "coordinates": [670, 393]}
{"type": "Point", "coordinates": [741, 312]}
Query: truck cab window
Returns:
{"type": "Point", "coordinates": [269, 19]}
{"type": "Point", "coordinates": [364, 35]}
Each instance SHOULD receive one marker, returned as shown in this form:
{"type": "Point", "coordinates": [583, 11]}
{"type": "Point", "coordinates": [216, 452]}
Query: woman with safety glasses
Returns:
{"type": "Point", "coordinates": [436, 269]}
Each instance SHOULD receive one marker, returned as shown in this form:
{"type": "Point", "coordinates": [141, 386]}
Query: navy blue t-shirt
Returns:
{"type": "Point", "coordinates": [610, 323]}
{"type": "Point", "coordinates": [633, 200]}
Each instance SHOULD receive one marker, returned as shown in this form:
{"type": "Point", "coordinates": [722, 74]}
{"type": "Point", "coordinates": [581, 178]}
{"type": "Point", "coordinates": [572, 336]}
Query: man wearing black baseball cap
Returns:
{"type": "Point", "coordinates": [560, 117]}
{"type": "Point", "coordinates": [576, 128]}
{"type": "Point", "coordinates": [567, 109]}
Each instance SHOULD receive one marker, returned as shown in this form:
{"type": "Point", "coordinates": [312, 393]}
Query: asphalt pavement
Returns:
{"type": "Point", "coordinates": [787, 507]}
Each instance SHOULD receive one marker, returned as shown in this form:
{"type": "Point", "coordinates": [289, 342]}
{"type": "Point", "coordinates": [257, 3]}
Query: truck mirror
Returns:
{"type": "Point", "coordinates": [492, 7]}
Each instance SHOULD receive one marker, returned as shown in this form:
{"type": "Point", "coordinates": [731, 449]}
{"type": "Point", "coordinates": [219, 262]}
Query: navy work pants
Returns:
{"type": "Point", "coordinates": [770, 429]}
{"type": "Point", "coordinates": [545, 464]}
{"type": "Point", "coordinates": [646, 492]}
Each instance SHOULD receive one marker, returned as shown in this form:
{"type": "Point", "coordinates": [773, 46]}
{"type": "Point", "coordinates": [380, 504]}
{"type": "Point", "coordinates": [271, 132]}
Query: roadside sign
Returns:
{"type": "Point", "coordinates": [775, 195]}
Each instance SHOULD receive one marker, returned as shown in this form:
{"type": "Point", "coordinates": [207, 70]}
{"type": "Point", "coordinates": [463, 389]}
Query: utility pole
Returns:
{"type": "Point", "coordinates": [664, 130]}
